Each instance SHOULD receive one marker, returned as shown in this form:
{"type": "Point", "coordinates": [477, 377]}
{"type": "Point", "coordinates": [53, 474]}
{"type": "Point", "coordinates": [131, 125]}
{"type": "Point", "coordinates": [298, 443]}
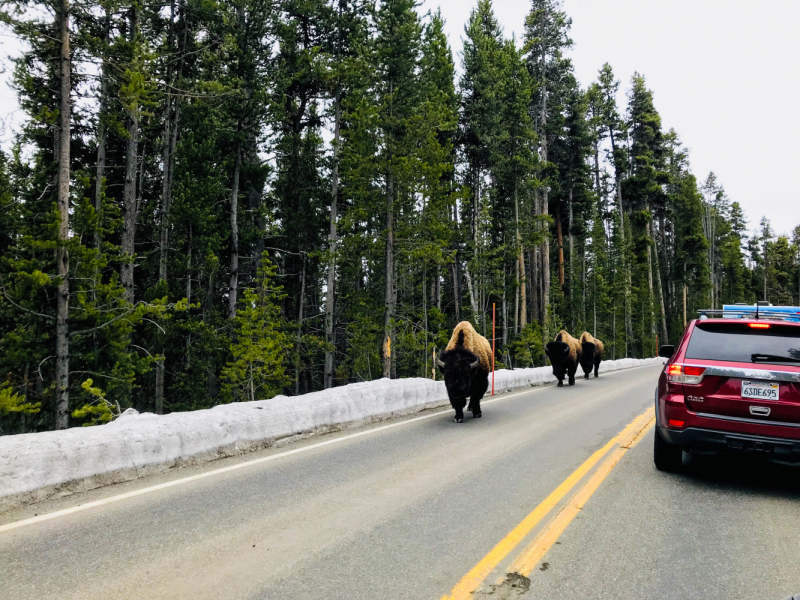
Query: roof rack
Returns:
{"type": "Point", "coordinates": [790, 314]}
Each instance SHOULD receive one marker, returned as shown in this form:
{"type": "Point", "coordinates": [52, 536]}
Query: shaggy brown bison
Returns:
{"type": "Point", "coordinates": [564, 354]}
{"type": "Point", "coordinates": [592, 354]}
{"type": "Point", "coordinates": [466, 363]}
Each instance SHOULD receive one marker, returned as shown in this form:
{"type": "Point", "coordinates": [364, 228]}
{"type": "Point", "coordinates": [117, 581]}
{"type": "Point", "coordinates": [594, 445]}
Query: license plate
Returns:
{"type": "Point", "coordinates": [761, 390]}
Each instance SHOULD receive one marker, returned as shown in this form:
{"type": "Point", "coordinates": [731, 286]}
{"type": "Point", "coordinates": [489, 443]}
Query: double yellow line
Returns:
{"type": "Point", "coordinates": [525, 561]}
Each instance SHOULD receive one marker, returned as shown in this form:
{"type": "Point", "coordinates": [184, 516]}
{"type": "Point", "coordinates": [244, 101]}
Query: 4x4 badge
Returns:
{"type": "Point", "coordinates": [761, 411]}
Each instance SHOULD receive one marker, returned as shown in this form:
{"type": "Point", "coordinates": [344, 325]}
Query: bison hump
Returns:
{"type": "Point", "coordinates": [465, 336]}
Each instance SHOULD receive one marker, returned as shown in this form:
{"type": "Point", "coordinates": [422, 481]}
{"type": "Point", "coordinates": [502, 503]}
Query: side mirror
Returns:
{"type": "Point", "coordinates": [666, 351]}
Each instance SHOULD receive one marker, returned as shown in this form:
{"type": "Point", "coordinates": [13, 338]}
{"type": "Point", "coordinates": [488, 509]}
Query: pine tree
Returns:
{"type": "Point", "coordinates": [617, 133]}
{"type": "Point", "coordinates": [513, 169]}
{"type": "Point", "coordinates": [396, 57]}
{"type": "Point", "coordinates": [165, 148]}
{"type": "Point", "coordinates": [644, 191]}
{"type": "Point", "coordinates": [257, 370]}
{"type": "Point", "coordinates": [479, 126]}
{"type": "Point", "coordinates": [350, 33]}
{"type": "Point", "coordinates": [546, 37]}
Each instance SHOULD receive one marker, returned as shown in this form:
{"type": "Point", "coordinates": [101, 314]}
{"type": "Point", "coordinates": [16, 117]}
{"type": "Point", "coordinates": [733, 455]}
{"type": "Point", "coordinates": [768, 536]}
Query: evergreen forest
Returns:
{"type": "Point", "coordinates": [210, 202]}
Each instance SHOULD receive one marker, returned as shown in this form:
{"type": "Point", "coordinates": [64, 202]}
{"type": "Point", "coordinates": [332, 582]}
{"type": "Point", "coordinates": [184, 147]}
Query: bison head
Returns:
{"type": "Point", "coordinates": [458, 366]}
{"type": "Point", "coordinates": [558, 353]}
{"type": "Point", "coordinates": [587, 356]}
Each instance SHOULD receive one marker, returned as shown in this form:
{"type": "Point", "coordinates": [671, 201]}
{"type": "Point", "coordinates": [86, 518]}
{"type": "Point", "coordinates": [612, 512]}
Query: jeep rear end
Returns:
{"type": "Point", "coordinates": [731, 385]}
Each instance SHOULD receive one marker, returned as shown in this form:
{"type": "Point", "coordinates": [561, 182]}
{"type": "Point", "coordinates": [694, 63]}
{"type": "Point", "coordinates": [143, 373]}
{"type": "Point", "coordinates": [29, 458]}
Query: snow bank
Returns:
{"type": "Point", "coordinates": [36, 466]}
{"type": "Point", "coordinates": [506, 380]}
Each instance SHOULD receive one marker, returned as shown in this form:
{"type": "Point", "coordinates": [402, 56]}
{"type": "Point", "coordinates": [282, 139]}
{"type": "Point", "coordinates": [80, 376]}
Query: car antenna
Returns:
{"type": "Point", "coordinates": [756, 310]}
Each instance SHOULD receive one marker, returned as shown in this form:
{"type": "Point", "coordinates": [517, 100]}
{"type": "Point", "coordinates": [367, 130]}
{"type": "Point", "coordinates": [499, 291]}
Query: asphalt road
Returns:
{"type": "Point", "coordinates": [405, 512]}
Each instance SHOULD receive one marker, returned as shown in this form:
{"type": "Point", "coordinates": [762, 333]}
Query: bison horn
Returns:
{"type": "Point", "coordinates": [439, 363]}
{"type": "Point", "coordinates": [475, 364]}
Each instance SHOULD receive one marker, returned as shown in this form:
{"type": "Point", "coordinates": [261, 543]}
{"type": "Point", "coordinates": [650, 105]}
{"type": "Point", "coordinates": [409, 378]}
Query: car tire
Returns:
{"type": "Point", "coordinates": [667, 457]}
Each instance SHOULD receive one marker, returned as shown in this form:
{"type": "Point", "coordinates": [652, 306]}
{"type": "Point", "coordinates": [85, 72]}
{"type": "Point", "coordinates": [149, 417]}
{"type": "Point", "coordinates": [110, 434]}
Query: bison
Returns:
{"type": "Point", "coordinates": [564, 354]}
{"type": "Point", "coordinates": [466, 363]}
{"type": "Point", "coordinates": [591, 354]}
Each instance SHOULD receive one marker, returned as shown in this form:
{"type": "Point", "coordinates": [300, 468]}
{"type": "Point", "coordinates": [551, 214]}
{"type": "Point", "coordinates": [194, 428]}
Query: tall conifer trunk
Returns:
{"type": "Point", "coordinates": [471, 291]}
{"type": "Point", "coordinates": [560, 239]}
{"type": "Point", "coordinates": [534, 283]}
{"type": "Point", "coordinates": [571, 248]}
{"type": "Point", "coordinates": [389, 298]}
{"type": "Point", "coordinates": [170, 130]}
{"type": "Point", "coordinates": [330, 352]}
{"type": "Point", "coordinates": [623, 243]}
{"type": "Point", "coordinates": [233, 282]}
{"type": "Point", "coordinates": [62, 255]}
{"type": "Point", "coordinates": [504, 309]}
{"type": "Point", "coordinates": [664, 331]}
{"type": "Point", "coordinates": [521, 308]}
{"type": "Point", "coordinates": [331, 293]}
{"type": "Point", "coordinates": [650, 289]}
{"type": "Point", "coordinates": [100, 168]}
{"type": "Point", "coordinates": [545, 299]}
{"type": "Point", "coordinates": [129, 197]}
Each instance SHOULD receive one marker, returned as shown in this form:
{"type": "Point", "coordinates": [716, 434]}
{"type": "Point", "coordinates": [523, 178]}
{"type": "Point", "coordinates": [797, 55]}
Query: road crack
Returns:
{"type": "Point", "coordinates": [513, 586]}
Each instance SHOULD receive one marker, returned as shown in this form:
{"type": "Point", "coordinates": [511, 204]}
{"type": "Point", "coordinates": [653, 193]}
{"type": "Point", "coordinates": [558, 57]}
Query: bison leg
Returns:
{"type": "Point", "coordinates": [475, 408]}
{"type": "Point", "coordinates": [472, 406]}
{"type": "Point", "coordinates": [572, 371]}
{"type": "Point", "coordinates": [559, 373]}
{"type": "Point", "coordinates": [458, 405]}
{"type": "Point", "coordinates": [480, 383]}
{"type": "Point", "coordinates": [478, 387]}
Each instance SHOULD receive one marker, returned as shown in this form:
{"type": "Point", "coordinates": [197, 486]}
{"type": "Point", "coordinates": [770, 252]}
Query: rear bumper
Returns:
{"type": "Point", "coordinates": [693, 438]}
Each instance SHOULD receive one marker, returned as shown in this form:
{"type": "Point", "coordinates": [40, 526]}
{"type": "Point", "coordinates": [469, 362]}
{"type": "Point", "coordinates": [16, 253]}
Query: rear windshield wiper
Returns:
{"type": "Point", "coordinates": [768, 357]}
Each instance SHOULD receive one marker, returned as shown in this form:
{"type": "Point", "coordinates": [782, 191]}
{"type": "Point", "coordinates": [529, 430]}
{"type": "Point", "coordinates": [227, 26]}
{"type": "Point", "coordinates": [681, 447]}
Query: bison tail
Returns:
{"type": "Point", "coordinates": [588, 348]}
{"type": "Point", "coordinates": [460, 340]}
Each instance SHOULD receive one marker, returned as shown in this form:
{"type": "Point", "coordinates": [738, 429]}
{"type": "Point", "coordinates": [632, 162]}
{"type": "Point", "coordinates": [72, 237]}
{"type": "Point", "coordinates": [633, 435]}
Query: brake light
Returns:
{"type": "Point", "coordinates": [676, 423]}
{"type": "Point", "coordinates": [759, 325]}
{"type": "Point", "coordinates": [687, 375]}
{"type": "Point", "coordinates": [694, 371]}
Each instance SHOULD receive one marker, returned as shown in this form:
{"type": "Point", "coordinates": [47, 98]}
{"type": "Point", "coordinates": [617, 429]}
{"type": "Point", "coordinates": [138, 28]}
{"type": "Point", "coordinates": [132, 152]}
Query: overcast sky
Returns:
{"type": "Point", "coordinates": [724, 74]}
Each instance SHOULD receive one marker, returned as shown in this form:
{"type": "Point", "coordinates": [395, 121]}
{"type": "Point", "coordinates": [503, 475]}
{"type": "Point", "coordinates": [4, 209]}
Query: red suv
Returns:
{"type": "Point", "coordinates": [732, 384]}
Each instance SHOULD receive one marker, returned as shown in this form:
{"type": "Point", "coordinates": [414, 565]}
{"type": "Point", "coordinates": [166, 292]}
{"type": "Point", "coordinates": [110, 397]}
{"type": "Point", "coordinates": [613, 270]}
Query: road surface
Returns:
{"type": "Point", "coordinates": [553, 485]}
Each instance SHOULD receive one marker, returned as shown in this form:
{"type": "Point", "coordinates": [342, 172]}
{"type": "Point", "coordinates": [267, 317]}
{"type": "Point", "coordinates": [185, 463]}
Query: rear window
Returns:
{"type": "Point", "coordinates": [737, 342]}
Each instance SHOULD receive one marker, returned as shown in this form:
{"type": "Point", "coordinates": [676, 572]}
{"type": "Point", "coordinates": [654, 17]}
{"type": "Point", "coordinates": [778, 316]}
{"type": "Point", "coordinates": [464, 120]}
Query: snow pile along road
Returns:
{"type": "Point", "coordinates": [507, 381]}
{"type": "Point", "coordinates": [36, 466]}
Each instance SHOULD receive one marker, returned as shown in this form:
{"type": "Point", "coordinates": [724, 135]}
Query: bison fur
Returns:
{"type": "Point", "coordinates": [465, 364]}
{"type": "Point", "coordinates": [565, 355]}
{"type": "Point", "coordinates": [592, 356]}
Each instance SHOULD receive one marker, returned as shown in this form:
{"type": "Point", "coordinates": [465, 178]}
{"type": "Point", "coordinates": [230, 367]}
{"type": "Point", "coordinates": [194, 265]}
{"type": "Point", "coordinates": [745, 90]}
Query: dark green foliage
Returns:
{"type": "Point", "coordinates": [201, 163]}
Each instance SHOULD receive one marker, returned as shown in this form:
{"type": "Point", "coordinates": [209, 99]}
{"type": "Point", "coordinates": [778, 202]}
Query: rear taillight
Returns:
{"type": "Point", "coordinates": [685, 374]}
{"type": "Point", "coordinates": [759, 325]}
{"type": "Point", "coordinates": [676, 423]}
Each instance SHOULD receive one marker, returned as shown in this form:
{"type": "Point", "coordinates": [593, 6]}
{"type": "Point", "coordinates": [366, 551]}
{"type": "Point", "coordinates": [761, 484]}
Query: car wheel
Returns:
{"type": "Point", "coordinates": [667, 457]}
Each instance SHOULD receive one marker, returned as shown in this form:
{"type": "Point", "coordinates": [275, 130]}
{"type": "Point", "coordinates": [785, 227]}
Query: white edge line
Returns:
{"type": "Point", "coordinates": [255, 461]}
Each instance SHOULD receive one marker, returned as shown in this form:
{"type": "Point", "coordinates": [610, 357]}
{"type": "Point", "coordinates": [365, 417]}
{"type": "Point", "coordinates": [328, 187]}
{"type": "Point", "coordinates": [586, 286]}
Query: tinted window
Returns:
{"type": "Point", "coordinates": [737, 342]}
